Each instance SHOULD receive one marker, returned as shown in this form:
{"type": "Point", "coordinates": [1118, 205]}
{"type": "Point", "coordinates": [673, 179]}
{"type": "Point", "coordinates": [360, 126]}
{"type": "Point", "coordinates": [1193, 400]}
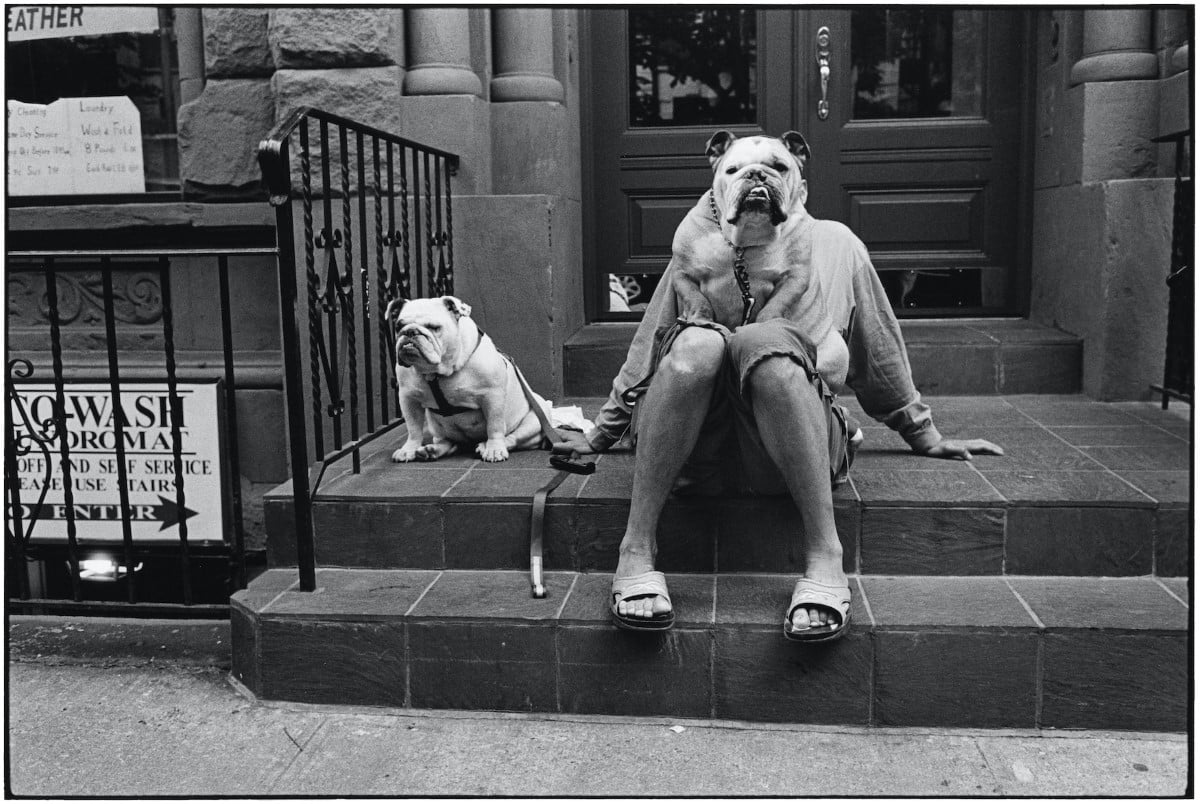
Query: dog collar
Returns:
{"type": "Point", "coordinates": [739, 263]}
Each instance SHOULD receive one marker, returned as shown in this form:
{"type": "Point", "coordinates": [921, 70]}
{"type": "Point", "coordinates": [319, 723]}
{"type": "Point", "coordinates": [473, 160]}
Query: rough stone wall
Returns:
{"type": "Point", "coordinates": [261, 63]}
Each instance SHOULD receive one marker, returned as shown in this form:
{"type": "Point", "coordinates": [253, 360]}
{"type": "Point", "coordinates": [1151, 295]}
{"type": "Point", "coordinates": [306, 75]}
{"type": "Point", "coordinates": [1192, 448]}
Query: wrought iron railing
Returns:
{"type": "Point", "coordinates": [1178, 364]}
{"type": "Point", "coordinates": [49, 443]}
{"type": "Point", "coordinates": [376, 225]}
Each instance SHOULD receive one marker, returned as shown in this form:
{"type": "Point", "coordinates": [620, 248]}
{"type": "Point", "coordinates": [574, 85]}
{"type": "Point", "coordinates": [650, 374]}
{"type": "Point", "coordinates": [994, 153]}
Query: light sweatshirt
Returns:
{"type": "Point", "coordinates": [857, 308]}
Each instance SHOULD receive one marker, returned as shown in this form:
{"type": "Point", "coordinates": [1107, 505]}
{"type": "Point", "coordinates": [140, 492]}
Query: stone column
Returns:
{"type": "Point", "coordinates": [439, 53]}
{"type": "Point", "coordinates": [189, 42]}
{"type": "Point", "coordinates": [1171, 40]}
{"type": "Point", "coordinates": [1117, 46]}
{"type": "Point", "coordinates": [443, 104]}
{"type": "Point", "coordinates": [523, 44]}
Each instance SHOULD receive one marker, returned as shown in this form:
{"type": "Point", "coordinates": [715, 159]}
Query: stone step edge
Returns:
{"type": "Point", "coordinates": [930, 539]}
{"type": "Point", "coordinates": [991, 677]}
{"type": "Point", "coordinates": [1041, 603]}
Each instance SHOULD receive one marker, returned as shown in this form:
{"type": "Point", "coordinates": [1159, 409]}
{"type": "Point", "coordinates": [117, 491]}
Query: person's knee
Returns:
{"type": "Point", "coordinates": [751, 336]}
{"type": "Point", "coordinates": [697, 352]}
{"type": "Point", "coordinates": [780, 375]}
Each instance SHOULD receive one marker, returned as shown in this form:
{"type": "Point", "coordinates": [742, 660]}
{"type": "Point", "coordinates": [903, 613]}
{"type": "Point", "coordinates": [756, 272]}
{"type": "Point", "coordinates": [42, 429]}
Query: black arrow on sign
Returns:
{"type": "Point", "coordinates": [166, 512]}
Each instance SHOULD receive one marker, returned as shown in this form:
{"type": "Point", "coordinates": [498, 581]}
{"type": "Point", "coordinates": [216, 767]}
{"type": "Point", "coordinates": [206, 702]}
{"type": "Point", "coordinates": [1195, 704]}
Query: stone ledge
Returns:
{"type": "Point", "coordinates": [950, 356]}
{"type": "Point", "coordinates": [476, 640]}
{"type": "Point", "coordinates": [1085, 488]}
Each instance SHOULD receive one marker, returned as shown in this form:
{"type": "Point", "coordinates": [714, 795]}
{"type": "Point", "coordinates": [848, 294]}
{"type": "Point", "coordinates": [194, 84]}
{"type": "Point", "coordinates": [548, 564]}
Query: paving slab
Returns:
{"type": "Point", "coordinates": [75, 730]}
{"type": "Point", "coordinates": [153, 730]}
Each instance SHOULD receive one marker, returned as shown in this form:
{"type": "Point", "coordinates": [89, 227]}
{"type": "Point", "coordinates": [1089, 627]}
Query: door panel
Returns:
{"type": "Point", "coordinates": [919, 151]}
{"type": "Point", "coordinates": [649, 167]}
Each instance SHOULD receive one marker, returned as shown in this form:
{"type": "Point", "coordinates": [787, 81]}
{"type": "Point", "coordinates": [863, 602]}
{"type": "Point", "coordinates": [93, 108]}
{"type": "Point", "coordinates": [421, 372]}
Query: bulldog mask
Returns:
{"type": "Point", "coordinates": [741, 254]}
{"type": "Point", "coordinates": [455, 389]}
{"type": "Point", "coordinates": [758, 184]}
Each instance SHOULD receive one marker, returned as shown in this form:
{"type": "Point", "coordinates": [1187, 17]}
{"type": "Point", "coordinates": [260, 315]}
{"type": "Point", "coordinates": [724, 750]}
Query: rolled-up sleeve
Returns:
{"type": "Point", "coordinates": [879, 370]}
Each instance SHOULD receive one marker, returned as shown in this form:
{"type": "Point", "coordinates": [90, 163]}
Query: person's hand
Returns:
{"type": "Point", "coordinates": [957, 450]}
{"type": "Point", "coordinates": [575, 443]}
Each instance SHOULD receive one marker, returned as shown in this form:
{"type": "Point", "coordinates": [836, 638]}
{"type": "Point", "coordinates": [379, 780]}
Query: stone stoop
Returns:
{"type": "Point", "coordinates": [1045, 588]}
{"type": "Point", "coordinates": [980, 652]}
{"type": "Point", "coordinates": [1085, 488]}
{"type": "Point", "coordinates": [947, 356]}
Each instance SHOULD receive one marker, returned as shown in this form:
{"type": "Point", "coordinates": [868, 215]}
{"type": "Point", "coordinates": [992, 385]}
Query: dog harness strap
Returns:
{"type": "Point", "coordinates": [444, 408]}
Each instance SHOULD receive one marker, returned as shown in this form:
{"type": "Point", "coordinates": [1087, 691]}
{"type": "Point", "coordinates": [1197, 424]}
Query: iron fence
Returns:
{"type": "Point", "coordinates": [53, 546]}
{"type": "Point", "coordinates": [376, 225]}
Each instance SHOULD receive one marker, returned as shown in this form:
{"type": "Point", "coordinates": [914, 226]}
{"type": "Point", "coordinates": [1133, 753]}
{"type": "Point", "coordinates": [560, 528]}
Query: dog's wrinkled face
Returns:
{"type": "Point", "coordinates": [427, 333]}
{"type": "Point", "coordinates": [758, 184]}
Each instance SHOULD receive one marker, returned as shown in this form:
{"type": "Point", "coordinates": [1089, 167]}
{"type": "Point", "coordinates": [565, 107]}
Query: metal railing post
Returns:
{"type": "Point", "coordinates": [330, 291]}
{"type": "Point", "coordinates": [294, 394]}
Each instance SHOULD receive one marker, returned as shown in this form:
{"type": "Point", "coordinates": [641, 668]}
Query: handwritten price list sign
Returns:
{"type": "Point", "coordinates": [150, 468]}
{"type": "Point", "coordinates": [75, 146]}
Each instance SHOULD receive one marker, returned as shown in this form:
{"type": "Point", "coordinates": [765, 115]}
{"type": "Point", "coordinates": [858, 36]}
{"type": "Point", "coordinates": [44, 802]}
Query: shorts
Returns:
{"type": "Point", "coordinates": [729, 456]}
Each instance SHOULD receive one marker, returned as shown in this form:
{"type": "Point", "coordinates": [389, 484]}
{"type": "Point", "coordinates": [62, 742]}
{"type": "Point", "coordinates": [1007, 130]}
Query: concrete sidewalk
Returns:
{"type": "Point", "coordinates": [143, 715]}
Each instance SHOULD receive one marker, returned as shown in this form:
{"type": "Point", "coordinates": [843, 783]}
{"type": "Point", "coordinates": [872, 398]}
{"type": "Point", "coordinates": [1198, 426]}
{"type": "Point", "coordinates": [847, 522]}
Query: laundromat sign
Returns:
{"type": "Point", "coordinates": [91, 435]}
{"type": "Point", "coordinates": [26, 23]}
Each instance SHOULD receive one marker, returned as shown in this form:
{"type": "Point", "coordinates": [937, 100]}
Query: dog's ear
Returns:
{"type": "Point", "coordinates": [457, 306]}
{"type": "Point", "coordinates": [717, 145]}
{"type": "Point", "coordinates": [392, 312]}
{"type": "Point", "coordinates": [799, 148]}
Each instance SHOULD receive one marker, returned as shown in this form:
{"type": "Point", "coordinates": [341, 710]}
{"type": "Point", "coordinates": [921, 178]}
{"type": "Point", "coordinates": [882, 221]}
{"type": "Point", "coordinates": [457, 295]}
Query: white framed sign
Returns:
{"type": "Point", "coordinates": [25, 23]}
{"type": "Point", "coordinates": [75, 146]}
{"type": "Point", "coordinates": [150, 467]}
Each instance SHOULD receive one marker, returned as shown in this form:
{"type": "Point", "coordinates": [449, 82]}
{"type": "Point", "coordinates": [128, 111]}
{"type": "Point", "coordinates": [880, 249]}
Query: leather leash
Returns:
{"type": "Point", "coordinates": [564, 465]}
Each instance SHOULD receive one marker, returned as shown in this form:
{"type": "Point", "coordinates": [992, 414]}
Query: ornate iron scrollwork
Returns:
{"type": "Point", "coordinates": [137, 297]}
{"type": "Point", "coordinates": [24, 435]}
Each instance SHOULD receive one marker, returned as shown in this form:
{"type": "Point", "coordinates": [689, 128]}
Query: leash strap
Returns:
{"type": "Point", "coordinates": [564, 465]}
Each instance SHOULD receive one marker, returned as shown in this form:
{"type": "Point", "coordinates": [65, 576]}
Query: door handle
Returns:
{"type": "Point", "coordinates": [823, 65]}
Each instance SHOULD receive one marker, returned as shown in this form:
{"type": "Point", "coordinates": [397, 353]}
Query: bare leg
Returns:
{"type": "Point", "coordinates": [790, 415]}
{"type": "Point", "coordinates": [669, 422]}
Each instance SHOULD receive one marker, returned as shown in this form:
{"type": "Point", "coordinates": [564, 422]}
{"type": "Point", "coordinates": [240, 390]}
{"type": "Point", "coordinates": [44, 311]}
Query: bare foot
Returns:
{"type": "Point", "coordinates": [642, 606]}
{"type": "Point", "coordinates": [826, 571]}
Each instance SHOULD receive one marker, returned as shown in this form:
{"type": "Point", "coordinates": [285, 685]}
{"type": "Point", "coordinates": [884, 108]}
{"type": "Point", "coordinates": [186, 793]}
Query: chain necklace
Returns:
{"type": "Point", "coordinates": [739, 264]}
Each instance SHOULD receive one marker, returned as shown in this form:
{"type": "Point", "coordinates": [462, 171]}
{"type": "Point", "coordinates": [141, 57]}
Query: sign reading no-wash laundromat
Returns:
{"type": "Point", "coordinates": [142, 425]}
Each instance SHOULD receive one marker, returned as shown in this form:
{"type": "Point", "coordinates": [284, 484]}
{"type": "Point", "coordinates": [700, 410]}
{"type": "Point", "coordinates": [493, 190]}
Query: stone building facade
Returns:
{"type": "Point", "coordinates": [506, 90]}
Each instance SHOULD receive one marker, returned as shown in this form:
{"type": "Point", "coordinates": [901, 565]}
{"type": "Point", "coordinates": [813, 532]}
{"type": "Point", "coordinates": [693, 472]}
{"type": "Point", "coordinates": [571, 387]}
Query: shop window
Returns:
{"type": "Point", "coordinates": [142, 66]}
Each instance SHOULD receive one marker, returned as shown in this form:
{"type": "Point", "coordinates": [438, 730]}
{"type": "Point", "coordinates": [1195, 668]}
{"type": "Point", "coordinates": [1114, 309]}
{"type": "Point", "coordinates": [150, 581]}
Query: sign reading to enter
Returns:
{"type": "Point", "coordinates": [75, 146]}
{"type": "Point", "coordinates": [91, 436]}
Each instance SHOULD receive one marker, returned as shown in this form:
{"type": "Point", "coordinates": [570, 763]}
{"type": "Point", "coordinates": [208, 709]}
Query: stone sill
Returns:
{"type": "Point", "coordinates": [180, 224]}
{"type": "Point", "coordinates": [998, 330]}
{"type": "Point", "coordinates": [124, 216]}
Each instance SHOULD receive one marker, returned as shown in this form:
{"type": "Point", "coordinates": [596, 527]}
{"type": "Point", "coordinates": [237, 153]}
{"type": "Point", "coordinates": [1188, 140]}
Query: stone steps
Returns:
{"type": "Point", "coordinates": [1043, 589]}
{"type": "Point", "coordinates": [948, 356]}
{"type": "Point", "coordinates": [1085, 489]}
{"type": "Point", "coordinates": [1030, 652]}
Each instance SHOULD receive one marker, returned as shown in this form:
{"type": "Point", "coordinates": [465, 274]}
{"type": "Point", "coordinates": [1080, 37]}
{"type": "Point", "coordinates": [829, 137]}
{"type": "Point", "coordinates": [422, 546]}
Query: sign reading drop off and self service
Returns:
{"type": "Point", "coordinates": [150, 466]}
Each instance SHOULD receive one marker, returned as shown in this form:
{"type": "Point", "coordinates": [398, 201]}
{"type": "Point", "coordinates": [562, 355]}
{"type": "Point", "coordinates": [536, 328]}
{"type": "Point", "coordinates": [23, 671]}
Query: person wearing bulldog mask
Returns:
{"type": "Point", "coordinates": [764, 314]}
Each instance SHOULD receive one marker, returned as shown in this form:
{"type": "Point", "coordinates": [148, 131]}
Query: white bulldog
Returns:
{"type": "Point", "coordinates": [455, 388]}
{"type": "Point", "coordinates": [756, 205]}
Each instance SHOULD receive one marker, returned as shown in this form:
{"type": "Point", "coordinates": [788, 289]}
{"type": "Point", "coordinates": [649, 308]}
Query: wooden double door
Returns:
{"type": "Point", "coordinates": [915, 116]}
